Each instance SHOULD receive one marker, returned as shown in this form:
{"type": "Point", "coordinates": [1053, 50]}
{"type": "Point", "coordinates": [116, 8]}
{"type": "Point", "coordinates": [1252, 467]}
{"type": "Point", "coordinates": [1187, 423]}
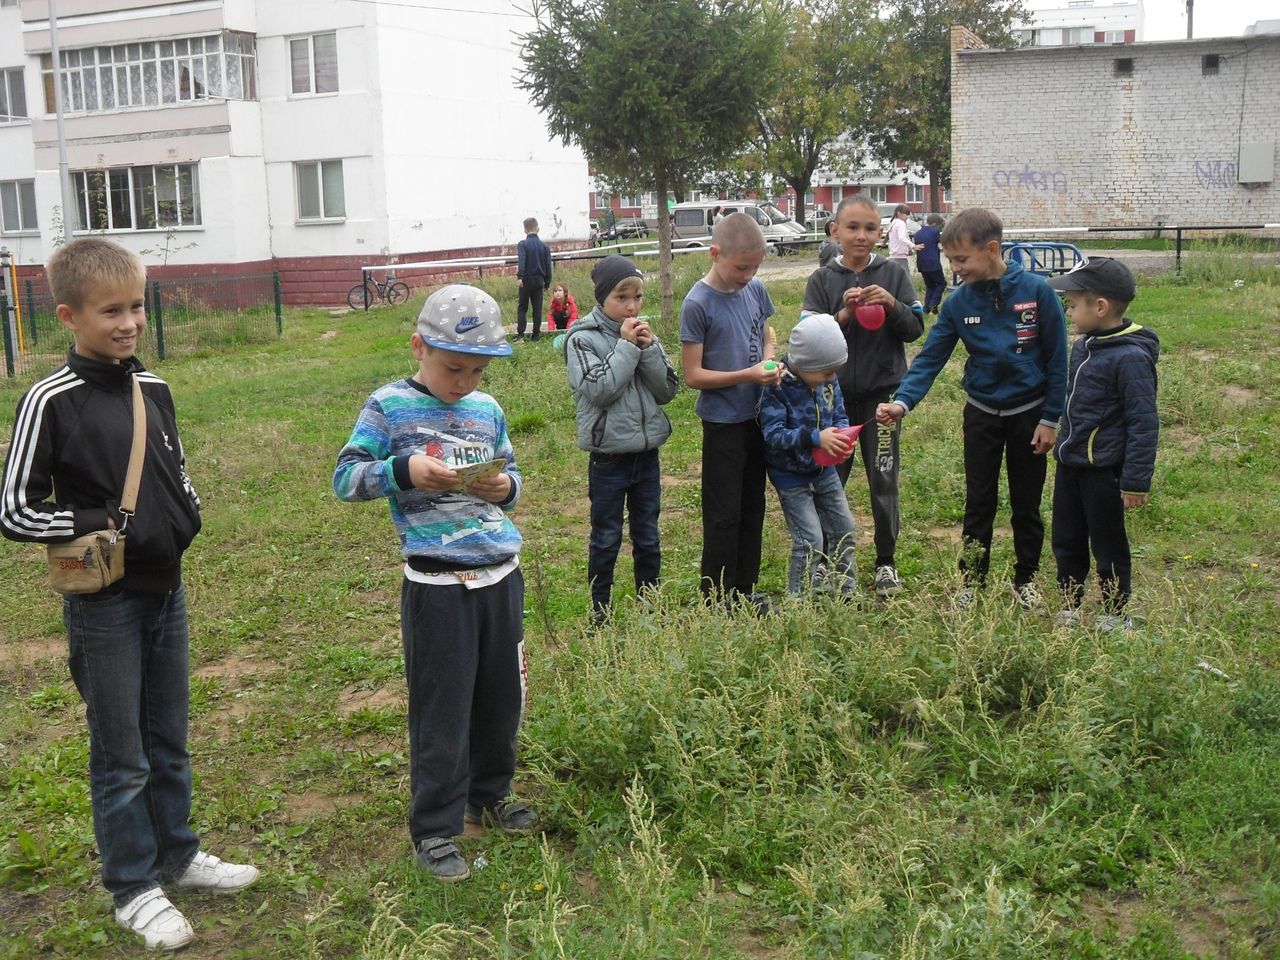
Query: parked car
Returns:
{"type": "Point", "coordinates": [818, 220]}
{"type": "Point", "coordinates": [692, 221]}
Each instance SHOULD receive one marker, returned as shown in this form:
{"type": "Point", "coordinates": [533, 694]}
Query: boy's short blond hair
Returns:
{"type": "Point", "coordinates": [77, 267]}
{"type": "Point", "coordinates": [738, 233]}
{"type": "Point", "coordinates": [976, 225]}
{"type": "Point", "coordinates": [530, 225]}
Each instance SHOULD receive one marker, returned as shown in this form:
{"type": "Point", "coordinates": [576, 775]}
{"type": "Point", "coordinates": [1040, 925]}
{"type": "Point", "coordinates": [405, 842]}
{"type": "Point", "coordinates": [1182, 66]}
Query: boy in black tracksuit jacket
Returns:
{"type": "Point", "coordinates": [533, 276]}
{"type": "Point", "coordinates": [1107, 449]}
{"type": "Point", "coordinates": [128, 643]}
{"type": "Point", "coordinates": [877, 361]}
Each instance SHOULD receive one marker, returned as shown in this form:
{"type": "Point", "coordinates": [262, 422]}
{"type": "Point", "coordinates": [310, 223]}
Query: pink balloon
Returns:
{"type": "Point", "coordinates": [824, 459]}
{"type": "Point", "coordinates": [870, 316]}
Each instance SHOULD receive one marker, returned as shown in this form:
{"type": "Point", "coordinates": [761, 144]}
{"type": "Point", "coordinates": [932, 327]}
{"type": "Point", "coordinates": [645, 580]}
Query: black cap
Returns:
{"type": "Point", "coordinates": [1101, 276]}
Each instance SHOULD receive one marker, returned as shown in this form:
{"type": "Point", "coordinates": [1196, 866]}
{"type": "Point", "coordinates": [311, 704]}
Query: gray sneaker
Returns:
{"type": "Point", "coordinates": [1028, 595]}
{"type": "Point", "coordinates": [1067, 617]}
{"type": "Point", "coordinates": [509, 816]}
{"type": "Point", "coordinates": [887, 581]}
{"type": "Point", "coordinates": [963, 599]}
{"type": "Point", "coordinates": [1113, 622]}
{"type": "Point", "coordinates": [440, 857]}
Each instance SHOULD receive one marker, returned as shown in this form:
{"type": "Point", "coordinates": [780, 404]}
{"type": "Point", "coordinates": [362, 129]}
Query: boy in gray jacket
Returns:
{"type": "Point", "coordinates": [620, 377]}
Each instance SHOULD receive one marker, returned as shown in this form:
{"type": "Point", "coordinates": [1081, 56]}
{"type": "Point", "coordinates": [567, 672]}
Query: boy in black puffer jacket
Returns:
{"type": "Point", "coordinates": [1106, 451]}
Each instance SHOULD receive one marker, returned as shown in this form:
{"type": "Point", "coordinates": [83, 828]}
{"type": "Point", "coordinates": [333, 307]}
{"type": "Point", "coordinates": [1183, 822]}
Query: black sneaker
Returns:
{"type": "Point", "coordinates": [440, 857]}
{"type": "Point", "coordinates": [509, 816]}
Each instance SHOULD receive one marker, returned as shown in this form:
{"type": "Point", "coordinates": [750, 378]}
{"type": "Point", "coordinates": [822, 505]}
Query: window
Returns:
{"type": "Point", "coordinates": [137, 198]}
{"type": "Point", "coordinates": [95, 79]}
{"type": "Point", "coordinates": [314, 63]}
{"type": "Point", "coordinates": [632, 200]}
{"type": "Point", "coordinates": [320, 192]}
{"type": "Point", "coordinates": [1124, 67]}
{"type": "Point", "coordinates": [1076, 35]}
{"type": "Point", "coordinates": [837, 194]}
{"type": "Point", "coordinates": [1209, 64]}
{"type": "Point", "coordinates": [876, 191]}
{"type": "Point", "coordinates": [1113, 36]}
{"type": "Point", "coordinates": [915, 193]}
{"type": "Point", "coordinates": [17, 206]}
{"type": "Point", "coordinates": [13, 95]}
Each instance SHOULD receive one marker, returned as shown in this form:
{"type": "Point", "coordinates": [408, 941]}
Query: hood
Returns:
{"type": "Point", "coordinates": [838, 263]}
{"type": "Point", "coordinates": [1131, 334]}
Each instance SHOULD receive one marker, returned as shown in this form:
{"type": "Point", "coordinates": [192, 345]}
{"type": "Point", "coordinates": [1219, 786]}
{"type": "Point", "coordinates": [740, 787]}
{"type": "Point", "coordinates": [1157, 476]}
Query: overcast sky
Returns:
{"type": "Point", "coordinates": [1167, 19]}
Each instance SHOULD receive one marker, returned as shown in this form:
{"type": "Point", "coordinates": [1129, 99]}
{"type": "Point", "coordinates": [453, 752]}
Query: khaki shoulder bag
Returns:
{"type": "Point", "coordinates": [89, 563]}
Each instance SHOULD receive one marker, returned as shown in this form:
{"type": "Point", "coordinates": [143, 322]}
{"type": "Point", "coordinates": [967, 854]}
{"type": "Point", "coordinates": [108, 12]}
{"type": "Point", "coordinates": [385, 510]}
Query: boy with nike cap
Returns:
{"type": "Point", "coordinates": [462, 597]}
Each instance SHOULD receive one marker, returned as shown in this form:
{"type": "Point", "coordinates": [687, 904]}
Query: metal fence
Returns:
{"type": "Point", "coordinates": [183, 316]}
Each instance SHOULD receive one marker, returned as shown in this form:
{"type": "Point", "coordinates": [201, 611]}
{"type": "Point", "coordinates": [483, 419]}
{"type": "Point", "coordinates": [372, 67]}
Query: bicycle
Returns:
{"type": "Point", "coordinates": [363, 295]}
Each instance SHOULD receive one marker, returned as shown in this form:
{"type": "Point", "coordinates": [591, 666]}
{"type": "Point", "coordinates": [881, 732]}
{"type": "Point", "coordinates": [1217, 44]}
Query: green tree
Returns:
{"type": "Point", "coordinates": [910, 102]}
{"type": "Point", "coordinates": [654, 92]}
{"type": "Point", "coordinates": [812, 121]}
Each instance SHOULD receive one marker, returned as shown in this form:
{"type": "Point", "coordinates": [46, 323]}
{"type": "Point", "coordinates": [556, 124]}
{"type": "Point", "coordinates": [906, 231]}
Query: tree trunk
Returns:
{"type": "Point", "coordinates": [935, 204]}
{"type": "Point", "coordinates": [667, 323]}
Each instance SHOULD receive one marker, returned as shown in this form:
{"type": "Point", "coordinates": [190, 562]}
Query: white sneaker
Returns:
{"type": "Point", "coordinates": [1111, 621]}
{"type": "Point", "coordinates": [887, 581]}
{"type": "Point", "coordinates": [157, 921]}
{"type": "Point", "coordinates": [1068, 617]}
{"type": "Point", "coordinates": [207, 872]}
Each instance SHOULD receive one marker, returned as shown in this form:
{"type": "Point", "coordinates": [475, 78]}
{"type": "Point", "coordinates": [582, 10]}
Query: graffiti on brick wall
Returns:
{"type": "Point", "coordinates": [1216, 174]}
{"type": "Point", "coordinates": [1050, 181]}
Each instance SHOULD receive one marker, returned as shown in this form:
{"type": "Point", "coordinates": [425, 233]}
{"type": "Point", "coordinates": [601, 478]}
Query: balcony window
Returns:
{"type": "Point", "coordinates": [137, 198]}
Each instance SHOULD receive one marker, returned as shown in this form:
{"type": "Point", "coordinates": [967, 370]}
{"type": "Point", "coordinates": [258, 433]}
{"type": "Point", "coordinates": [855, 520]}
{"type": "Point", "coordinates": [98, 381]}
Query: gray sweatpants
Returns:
{"type": "Point", "coordinates": [464, 663]}
{"type": "Point", "coordinates": [879, 448]}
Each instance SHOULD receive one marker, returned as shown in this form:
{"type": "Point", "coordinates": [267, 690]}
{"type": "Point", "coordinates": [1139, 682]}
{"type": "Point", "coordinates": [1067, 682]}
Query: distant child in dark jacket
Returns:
{"type": "Point", "coordinates": [876, 306]}
{"type": "Point", "coordinates": [533, 276]}
{"type": "Point", "coordinates": [563, 310]}
{"type": "Point", "coordinates": [929, 262]}
{"type": "Point", "coordinates": [1015, 382]}
{"type": "Point", "coordinates": [801, 414]}
{"type": "Point", "coordinates": [1107, 449]}
{"type": "Point", "coordinates": [621, 378]}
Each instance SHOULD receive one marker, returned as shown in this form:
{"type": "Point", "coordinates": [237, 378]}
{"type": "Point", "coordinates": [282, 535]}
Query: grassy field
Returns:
{"type": "Point", "coordinates": [890, 781]}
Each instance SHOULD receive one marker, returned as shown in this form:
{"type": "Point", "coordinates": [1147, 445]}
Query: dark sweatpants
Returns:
{"type": "Point", "coordinates": [732, 506]}
{"type": "Point", "coordinates": [988, 439]}
{"type": "Point", "coordinates": [879, 447]}
{"type": "Point", "coordinates": [1089, 511]}
{"type": "Point", "coordinates": [530, 292]}
{"type": "Point", "coordinates": [464, 663]}
{"type": "Point", "coordinates": [935, 285]}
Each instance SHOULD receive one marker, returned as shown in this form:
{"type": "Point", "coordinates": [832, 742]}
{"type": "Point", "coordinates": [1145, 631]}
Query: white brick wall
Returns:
{"type": "Point", "coordinates": [1053, 137]}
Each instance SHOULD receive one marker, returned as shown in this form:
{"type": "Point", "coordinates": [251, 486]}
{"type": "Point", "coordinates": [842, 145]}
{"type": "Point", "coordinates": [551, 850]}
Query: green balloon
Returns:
{"type": "Point", "coordinates": [558, 342]}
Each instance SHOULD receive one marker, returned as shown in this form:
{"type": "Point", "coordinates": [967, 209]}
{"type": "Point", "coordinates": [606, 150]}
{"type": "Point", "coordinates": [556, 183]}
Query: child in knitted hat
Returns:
{"type": "Point", "coordinates": [621, 378]}
{"type": "Point", "coordinates": [803, 413]}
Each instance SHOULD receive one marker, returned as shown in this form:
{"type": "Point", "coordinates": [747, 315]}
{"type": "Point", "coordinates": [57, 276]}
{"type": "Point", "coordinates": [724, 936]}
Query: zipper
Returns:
{"type": "Point", "coordinates": [1088, 349]}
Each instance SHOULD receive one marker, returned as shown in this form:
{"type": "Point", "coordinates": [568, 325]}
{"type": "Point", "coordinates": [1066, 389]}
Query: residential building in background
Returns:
{"type": "Point", "coordinates": [1067, 23]}
{"type": "Point", "coordinates": [223, 136]}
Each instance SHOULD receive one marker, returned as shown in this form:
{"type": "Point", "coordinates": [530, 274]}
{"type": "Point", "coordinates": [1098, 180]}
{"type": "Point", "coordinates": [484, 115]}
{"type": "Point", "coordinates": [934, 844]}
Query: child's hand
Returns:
{"type": "Point", "coordinates": [877, 294]}
{"type": "Point", "coordinates": [495, 489]}
{"type": "Point", "coordinates": [1043, 439]}
{"type": "Point", "coordinates": [644, 334]}
{"type": "Point", "coordinates": [890, 412]}
{"type": "Point", "coordinates": [834, 443]}
{"type": "Point", "coordinates": [628, 329]}
{"type": "Point", "coordinates": [430, 473]}
{"type": "Point", "coordinates": [763, 376]}
{"type": "Point", "coordinates": [1132, 500]}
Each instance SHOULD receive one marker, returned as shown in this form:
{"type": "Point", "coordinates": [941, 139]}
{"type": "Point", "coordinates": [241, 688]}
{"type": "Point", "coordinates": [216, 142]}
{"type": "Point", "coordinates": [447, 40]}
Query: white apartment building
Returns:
{"type": "Point", "coordinates": [309, 136]}
{"type": "Point", "coordinates": [1065, 23]}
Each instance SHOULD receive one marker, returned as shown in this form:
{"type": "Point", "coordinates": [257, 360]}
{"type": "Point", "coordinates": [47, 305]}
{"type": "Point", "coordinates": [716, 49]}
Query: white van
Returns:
{"type": "Point", "coordinates": [691, 222]}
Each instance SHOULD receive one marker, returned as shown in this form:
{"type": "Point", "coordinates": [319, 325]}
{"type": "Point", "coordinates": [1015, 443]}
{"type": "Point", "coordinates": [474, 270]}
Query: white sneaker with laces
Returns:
{"type": "Point", "coordinates": [207, 872]}
{"type": "Point", "coordinates": [887, 581]}
{"type": "Point", "coordinates": [157, 921]}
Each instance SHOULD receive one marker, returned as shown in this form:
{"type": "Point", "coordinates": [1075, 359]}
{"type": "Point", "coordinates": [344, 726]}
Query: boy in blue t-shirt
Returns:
{"type": "Point", "coordinates": [725, 344]}
{"type": "Point", "coordinates": [929, 262]}
{"type": "Point", "coordinates": [462, 597]}
{"type": "Point", "coordinates": [1015, 384]}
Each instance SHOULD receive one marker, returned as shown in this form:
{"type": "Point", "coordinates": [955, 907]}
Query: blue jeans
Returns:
{"type": "Point", "coordinates": [128, 658]}
{"type": "Point", "coordinates": [615, 480]}
{"type": "Point", "coordinates": [822, 535]}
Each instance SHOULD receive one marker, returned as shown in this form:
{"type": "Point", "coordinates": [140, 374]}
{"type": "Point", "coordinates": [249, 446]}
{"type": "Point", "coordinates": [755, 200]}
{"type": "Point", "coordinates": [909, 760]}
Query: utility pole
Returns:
{"type": "Point", "coordinates": [1190, 4]}
{"type": "Point", "coordinates": [64, 173]}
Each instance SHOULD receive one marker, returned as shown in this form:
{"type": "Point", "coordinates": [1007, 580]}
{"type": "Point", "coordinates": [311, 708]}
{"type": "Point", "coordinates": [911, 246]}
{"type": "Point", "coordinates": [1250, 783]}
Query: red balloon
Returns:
{"type": "Point", "coordinates": [870, 316]}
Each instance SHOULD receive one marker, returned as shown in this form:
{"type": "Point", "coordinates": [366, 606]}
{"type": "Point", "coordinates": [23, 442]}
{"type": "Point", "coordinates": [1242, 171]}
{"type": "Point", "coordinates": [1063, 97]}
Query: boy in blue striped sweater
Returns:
{"type": "Point", "coordinates": [462, 598]}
